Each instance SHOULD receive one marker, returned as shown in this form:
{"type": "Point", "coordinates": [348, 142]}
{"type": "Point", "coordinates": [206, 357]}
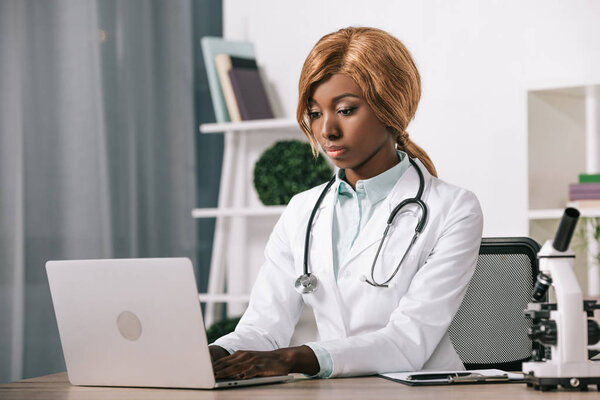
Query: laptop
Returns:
{"type": "Point", "coordinates": [134, 322]}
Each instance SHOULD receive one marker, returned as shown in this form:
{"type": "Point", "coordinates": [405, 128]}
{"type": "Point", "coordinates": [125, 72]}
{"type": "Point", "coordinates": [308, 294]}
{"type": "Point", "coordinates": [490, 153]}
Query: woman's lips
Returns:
{"type": "Point", "coordinates": [335, 151]}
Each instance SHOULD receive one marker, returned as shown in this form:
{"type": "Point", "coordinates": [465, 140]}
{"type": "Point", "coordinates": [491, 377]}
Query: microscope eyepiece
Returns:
{"type": "Point", "coordinates": [565, 229]}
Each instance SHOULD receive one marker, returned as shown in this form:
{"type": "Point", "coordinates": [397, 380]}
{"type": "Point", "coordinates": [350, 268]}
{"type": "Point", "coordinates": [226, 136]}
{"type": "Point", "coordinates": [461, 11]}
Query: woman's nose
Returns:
{"type": "Point", "coordinates": [329, 127]}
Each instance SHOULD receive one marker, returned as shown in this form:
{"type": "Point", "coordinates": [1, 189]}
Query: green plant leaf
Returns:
{"type": "Point", "coordinates": [221, 328]}
{"type": "Point", "coordinates": [286, 169]}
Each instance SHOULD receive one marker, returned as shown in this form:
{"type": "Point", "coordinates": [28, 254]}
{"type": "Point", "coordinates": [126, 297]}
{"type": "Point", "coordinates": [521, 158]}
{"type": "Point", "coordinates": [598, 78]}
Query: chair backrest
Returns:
{"type": "Point", "coordinates": [490, 329]}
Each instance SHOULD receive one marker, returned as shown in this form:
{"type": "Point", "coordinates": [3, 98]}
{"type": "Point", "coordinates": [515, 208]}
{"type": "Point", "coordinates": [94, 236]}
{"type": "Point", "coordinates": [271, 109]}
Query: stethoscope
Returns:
{"type": "Point", "coordinates": [307, 282]}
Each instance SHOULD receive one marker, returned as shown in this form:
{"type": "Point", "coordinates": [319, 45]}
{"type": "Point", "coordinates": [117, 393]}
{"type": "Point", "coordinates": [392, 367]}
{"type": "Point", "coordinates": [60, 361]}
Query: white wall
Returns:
{"type": "Point", "coordinates": [477, 60]}
{"type": "Point", "coordinates": [556, 120]}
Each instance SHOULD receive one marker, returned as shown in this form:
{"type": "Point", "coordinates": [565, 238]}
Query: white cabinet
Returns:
{"type": "Point", "coordinates": [242, 222]}
{"type": "Point", "coordinates": [563, 141]}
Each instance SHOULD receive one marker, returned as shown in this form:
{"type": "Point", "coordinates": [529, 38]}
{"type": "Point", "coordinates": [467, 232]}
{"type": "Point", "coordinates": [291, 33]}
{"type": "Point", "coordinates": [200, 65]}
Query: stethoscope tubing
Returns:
{"type": "Point", "coordinates": [310, 222]}
{"type": "Point", "coordinates": [418, 229]}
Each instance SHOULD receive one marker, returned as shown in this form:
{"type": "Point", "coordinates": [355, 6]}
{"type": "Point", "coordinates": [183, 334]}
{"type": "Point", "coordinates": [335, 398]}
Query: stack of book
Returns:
{"type": "Point", "coordinates": [235, 83]}
{"type": "Point", "coordinates": [586, 193]}
{"type": "Point", "coordinates": [242, 86]}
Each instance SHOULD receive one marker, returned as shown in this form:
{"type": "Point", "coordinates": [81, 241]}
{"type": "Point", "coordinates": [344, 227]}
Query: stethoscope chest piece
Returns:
{"type": "Point", "coordinates": [306, 283]}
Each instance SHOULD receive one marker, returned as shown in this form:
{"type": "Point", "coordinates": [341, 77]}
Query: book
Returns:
{"type": "Point", "coordinates": [584, 187]}
{"type": "Point", "coordinates": [581, 204]}
{"type": "Point", "coordinates": [223, 64]}
{"type": "Point", "coordinates": [211, 46]}
{"type": "Point", "coordinates": [584, 191]}
{"type": "Point", "coordinates": [250, 93]}
{"type": "Point", "coordinates": [584, 196]}
{"type": "Point", "coordinates": [241, 62]}
{"type": "Point", "coordinates": [427, 378]}
{"type": "Point", "coordinates": [589, 178]}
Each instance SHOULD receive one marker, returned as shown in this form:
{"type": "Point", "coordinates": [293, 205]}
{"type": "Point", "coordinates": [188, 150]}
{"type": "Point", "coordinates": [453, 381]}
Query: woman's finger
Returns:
{"type": "Point", "coordinates": [225, 365]}
{"type": "Point", "coordinates": [248, 364]}
{"type": "Point", "coordinates": [231, 359]}
{"type": "Point", "coordinates": [250, 372]}
{"type": "Point", "coordinates": [229, 372]}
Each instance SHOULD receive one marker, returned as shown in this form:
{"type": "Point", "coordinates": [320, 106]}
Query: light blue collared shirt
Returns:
{"type": "Point", "coordinates": [352, 210]}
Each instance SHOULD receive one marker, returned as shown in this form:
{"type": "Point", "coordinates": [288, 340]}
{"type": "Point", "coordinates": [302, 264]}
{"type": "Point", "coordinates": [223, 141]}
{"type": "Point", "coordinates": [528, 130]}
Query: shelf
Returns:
{"type": "Point", "coordinates": [223, 298]}
{"type": "Point", "coordinates": [237, 212]}
{"type": "Point", "coordinates": [243, 142]}
{"type": "Point", "coordinates": [556, 213]}
{"type": "Point", "coordinates": [264, 125]}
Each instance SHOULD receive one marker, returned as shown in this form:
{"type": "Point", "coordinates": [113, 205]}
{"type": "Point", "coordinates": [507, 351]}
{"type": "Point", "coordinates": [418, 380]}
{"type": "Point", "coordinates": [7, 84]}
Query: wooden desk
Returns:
{"type": "Point", "coordinates": [56, 386]}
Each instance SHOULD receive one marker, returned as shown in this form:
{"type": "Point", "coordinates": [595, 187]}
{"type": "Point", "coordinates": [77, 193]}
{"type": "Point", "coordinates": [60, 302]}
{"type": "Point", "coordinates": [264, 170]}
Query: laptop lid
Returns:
{"type": "Point", "coordinates": [131, 322]}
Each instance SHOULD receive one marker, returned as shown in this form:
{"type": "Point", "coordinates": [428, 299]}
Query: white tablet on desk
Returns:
{"type": "Point", "coordinates": [133, 322]}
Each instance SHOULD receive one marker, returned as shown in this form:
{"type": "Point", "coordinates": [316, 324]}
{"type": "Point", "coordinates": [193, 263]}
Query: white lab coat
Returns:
{"type": "Point", "coordinates": [365, 329]}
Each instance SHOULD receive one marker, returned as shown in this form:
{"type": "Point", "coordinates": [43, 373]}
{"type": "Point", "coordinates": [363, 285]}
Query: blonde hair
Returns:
{"type": "Point", "coordinates": [384, 70]}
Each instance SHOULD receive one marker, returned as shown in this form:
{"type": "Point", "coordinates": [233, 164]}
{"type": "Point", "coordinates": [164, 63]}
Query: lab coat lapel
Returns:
{"type": "Point", "coordinates": [371, 233]}
{"type": "Point", "coordinates": [321, 238]}
{"type": "Point", "coordinates": [406, 187]}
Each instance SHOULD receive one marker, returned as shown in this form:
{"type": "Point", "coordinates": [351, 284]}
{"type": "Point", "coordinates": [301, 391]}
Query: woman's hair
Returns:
{"type": "Point", "coordinates": [384, 70]}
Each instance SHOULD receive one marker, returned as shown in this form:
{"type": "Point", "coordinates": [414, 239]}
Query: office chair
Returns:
{"type": "Point", "coordinates": [490, 330]}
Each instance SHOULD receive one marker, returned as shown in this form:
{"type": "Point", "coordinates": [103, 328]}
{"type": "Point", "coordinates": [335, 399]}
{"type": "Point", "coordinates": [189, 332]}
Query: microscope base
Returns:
{"type": "Point", "coordinates": [546, 384]}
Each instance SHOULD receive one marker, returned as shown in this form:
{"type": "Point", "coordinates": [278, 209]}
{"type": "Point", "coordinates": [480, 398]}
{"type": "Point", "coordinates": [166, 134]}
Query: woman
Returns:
{"type": "Point", "coordinates": [359, 89]}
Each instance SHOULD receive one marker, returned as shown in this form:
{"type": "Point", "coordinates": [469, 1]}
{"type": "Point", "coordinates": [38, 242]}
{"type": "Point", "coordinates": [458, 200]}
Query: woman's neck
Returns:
{"type": "Point", "coordinates": [377, 164]}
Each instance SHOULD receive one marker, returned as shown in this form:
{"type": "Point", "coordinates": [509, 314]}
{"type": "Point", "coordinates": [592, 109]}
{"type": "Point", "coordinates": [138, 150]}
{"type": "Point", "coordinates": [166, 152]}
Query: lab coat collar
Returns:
{"type": "Point", "coordinates": [408, 185]}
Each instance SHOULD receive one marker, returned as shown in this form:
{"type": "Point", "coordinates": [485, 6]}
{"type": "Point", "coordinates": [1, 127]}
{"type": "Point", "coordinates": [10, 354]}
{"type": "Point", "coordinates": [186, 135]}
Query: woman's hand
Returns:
{"type": "Point", "coordinates": [250, 364]}
{"type": "Point", "coordinates": [217, 352]}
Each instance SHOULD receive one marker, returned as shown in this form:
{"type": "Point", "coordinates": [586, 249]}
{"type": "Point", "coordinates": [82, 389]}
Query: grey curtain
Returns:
{"type": "Point", "coordinates": [97, 131]}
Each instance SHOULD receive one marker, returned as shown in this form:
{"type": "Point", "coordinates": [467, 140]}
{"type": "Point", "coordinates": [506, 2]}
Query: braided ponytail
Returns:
{"type": "Point", "coordinates": [414, 151]}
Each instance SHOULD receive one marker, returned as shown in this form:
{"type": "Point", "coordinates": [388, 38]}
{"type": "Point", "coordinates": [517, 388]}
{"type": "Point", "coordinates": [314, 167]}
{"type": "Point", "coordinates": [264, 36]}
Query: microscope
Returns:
{"type": "Point", "coordinates": [562, 328]}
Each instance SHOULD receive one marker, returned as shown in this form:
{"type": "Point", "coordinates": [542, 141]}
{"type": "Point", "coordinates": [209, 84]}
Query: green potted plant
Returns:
{"type": "Point", "coordinates": [287, 168]}
{"type": "Point", "coordinates": [221, 328]}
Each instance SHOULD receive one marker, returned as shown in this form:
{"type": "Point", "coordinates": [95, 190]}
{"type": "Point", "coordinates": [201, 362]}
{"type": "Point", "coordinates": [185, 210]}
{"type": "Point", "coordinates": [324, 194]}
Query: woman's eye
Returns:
{"type": "Point", "coordinates": [314, 114]}
{"type": "Point", "coordinates": [346, 111]}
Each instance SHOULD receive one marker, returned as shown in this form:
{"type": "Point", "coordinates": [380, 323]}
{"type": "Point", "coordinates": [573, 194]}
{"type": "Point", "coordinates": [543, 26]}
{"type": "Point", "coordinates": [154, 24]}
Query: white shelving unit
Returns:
{"type": "Point", "coordinates": [556, 213]}
{"type": "Point", "coordinates": [237, 203]}
{"type": "Point", "coordinates": [563, 141]}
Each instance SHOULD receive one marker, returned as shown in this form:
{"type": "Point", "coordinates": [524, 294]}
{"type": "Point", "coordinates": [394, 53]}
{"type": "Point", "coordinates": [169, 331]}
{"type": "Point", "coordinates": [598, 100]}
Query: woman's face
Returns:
{"type": "Point", "coordinates": [348, 130]}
